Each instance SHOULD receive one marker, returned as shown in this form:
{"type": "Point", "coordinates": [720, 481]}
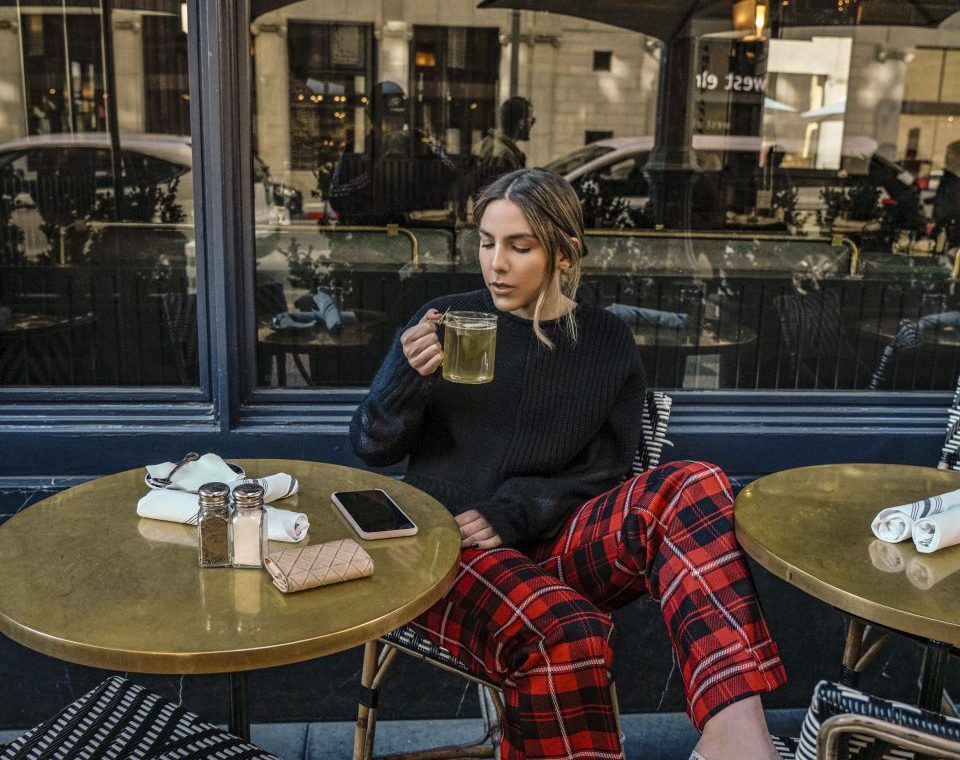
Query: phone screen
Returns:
{"type": "Point", "coordinates": [373, 510]}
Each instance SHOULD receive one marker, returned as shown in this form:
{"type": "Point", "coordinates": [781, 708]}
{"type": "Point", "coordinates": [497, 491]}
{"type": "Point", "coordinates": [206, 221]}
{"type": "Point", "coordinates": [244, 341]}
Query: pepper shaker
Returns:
{"type": "Point", "coordinates": [213, 525]}
{"type": "Point", "coordinates": [249, 526]}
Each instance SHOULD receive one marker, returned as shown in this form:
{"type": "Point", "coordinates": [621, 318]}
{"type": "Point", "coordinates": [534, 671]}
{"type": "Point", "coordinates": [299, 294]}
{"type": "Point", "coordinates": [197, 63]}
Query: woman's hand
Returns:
{"type": "Point", "coordinates": [421, 345]}
{"type": "Point", "coordinates": [476, 532]}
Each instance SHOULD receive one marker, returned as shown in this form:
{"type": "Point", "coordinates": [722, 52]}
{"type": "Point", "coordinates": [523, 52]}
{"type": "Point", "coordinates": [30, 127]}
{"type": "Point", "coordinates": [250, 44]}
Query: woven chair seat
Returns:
{"type": "Point", "coordinates": [123, 720]}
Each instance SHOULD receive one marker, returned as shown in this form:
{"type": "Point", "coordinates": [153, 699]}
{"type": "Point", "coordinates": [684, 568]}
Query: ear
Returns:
{"type": "Point", "coordinates": [564, 260]}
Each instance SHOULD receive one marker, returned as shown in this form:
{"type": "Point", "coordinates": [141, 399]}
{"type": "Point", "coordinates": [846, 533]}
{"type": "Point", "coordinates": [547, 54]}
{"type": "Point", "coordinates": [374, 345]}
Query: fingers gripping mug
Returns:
{"type": "Point", "coordinates": [469, 346]}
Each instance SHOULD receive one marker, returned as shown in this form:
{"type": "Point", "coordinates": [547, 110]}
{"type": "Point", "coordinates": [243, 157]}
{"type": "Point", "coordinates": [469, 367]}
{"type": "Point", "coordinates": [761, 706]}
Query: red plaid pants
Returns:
{"type": "Point", "coordinates": [537, 624]}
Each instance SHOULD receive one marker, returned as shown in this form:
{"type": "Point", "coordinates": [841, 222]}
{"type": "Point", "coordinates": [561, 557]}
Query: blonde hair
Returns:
{"type": "Point", "coordinates": [556, 219]}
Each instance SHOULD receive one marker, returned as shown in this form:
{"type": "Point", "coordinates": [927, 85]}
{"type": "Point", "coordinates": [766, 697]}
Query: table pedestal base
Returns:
{"type": "Point", "coordinates": [239, 720]}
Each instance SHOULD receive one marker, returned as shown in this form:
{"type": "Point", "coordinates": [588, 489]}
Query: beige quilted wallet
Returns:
{"type": "Point", "coordinates": [318, 565]}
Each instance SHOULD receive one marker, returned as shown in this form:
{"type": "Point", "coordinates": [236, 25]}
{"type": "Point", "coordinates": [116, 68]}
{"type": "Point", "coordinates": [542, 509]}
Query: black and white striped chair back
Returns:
{"type": "Point", "coordinates": [123, 720]}
{"type": "Point", "coordinates": [950, 453]}
{"type": "Point", "coordinates": [831, 699]}
{"type": "Point", "coordinates": [656, 418]}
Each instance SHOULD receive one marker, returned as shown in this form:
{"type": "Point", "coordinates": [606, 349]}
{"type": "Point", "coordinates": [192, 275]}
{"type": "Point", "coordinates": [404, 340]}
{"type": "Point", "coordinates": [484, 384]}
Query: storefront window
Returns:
{"type": "Point", "coordinates": [782, 215]}
{"type": "Point", "coordinates": [97, 254]}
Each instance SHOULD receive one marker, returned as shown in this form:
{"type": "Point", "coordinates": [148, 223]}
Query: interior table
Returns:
{"type": "Point", "coordinates": [100, 586]}
{"type": "Point", "coordinates": [810, 526]}
{"type": "Point", "coordinates": [665, 350]}
{"type": "Point", "coordinates": [885, 329]}
{"type": "Point", "coordinates": [350, 345]}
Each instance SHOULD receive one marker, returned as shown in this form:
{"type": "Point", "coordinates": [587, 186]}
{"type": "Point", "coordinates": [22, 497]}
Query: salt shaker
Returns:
{"type": "Point", "coordinates": [248, 526]}
{"type": "Point", "coordinates": [213, 525]}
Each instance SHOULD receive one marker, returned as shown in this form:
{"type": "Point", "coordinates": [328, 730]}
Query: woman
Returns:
{"type": "Point", "coordinates": [520, 462]}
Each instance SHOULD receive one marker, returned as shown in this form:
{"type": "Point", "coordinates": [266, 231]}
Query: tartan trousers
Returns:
{"type": "Point", "coordinates": [537, 623]}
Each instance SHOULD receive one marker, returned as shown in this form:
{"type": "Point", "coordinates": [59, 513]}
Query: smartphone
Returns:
{"type": "Point", "coordinates": [373, 514]}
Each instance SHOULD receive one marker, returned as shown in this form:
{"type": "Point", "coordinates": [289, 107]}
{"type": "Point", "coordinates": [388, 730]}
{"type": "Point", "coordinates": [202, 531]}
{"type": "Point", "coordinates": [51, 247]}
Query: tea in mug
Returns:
{"type": "Point", "coordinates": [469, 346]}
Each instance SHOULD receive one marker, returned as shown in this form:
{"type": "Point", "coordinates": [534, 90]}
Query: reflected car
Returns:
{"type": "Point", "coordinates": [66, 176]}
{"type": "Point", "coordinates": [618, 164]}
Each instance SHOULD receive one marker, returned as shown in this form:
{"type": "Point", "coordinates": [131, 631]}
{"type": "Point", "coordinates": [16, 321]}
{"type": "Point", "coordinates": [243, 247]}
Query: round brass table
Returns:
{"type": "Point", "coordinates": [811, 527]}
{"type": "Point", "coordinates": [710, 338]}
{"type": "Point", "coordinates": [100, 586]}
{"type": "Point", "coordinates": [886, 329]}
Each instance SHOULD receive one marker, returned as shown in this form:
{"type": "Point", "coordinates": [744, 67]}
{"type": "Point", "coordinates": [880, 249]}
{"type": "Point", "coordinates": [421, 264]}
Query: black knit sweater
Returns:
{"type": "Point", "coordinates": [553, 429]}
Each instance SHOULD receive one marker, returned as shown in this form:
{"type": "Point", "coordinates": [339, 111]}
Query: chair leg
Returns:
{"type": "Point", "coordinates": [375, 668]}
{"type": "Point", "coordinates": [363, 710]}
{"type": "Point", "coordinates": [487, 745]}
{"type": "Point", "coordinates": [616, 713]}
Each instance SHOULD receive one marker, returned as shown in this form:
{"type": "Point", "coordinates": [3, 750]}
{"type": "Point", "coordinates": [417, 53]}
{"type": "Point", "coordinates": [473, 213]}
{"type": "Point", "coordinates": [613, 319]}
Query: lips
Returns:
{"type": "Point", "coordinates": [501, 288]}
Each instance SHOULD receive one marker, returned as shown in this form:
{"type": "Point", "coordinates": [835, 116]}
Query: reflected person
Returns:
{"type": "Point", "coordinates": [946, 201]}
{"type": "Point", "coordinates": [498, 153]}
{"type": "Point", "coordinates": [400, 170]}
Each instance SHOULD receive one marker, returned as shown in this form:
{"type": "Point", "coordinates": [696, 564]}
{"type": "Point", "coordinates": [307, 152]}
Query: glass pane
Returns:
{"type": "Point", "coordinates": [97, 253]}
{"type": "Point", "coordinates": [785, 215]}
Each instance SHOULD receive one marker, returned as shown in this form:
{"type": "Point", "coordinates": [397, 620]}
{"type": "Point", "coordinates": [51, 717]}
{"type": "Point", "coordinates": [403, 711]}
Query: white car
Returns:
{"type": "Point", "coordinates": [65, 174]}
{"type": "Point", "coordinates": [618, 163]}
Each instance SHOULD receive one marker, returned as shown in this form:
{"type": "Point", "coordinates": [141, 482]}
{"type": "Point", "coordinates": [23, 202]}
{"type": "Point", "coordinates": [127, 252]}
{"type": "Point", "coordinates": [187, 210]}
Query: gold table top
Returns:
{"type": "Point", "coordinates": [810, 526]}
{"type": "Point", "coordinates": [93, 583]}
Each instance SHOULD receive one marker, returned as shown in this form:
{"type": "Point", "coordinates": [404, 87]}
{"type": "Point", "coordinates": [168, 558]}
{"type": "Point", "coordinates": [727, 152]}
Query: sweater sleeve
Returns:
{"type": "Point", "coordinates": [388, 420]}
{"type": "Point", "coordinates": [528, 509]}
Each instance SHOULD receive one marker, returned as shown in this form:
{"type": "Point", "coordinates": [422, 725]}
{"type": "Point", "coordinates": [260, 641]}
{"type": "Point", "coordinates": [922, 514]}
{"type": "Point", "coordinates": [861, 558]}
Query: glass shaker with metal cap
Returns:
{"type": "Point", "coordinates": [213, 525]}
{"type": "Point", "coordinates": [249, 526]}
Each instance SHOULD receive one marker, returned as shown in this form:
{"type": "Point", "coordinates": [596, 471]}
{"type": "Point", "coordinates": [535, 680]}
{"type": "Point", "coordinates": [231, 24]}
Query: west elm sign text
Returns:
{"type": "Point", "coordinates": [731, 82]}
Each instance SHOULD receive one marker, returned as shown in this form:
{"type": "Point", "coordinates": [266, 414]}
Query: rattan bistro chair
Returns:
{"type": "Point", "coordinates": [843, 723]}
{"type": "Point", "coordinates": [379, 656]}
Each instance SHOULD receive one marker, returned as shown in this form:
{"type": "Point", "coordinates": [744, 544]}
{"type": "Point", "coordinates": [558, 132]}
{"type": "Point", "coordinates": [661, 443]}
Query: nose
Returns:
{"type": "Point", "coordinates": [499, 261]}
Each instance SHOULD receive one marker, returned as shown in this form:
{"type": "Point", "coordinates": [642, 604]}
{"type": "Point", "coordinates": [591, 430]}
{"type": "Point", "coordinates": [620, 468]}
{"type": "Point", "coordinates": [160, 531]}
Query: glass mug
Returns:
{"type": "Point", "coordinates": [469, 346]}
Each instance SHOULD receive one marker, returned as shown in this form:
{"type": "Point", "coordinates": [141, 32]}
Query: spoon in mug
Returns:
{"type": "Point", "coordinates": [166, 482]}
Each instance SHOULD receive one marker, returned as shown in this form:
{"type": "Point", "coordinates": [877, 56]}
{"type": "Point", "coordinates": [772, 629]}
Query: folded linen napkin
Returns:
{"type": "Point", "coordinates": [328, 310]}
{"type": "Point", "coordinates": [279, 486]}
{"type": "Point", "coordinates": [207, 469]}
{"type": "Point", "coordinates": [926, 572]}
{"type": "Point", "coordinates": [304, 320]}
{"type": "Point", "coordinates": [896, 523]}
{"type": "Point", "coordinates": [318, 565]}
{"type": "Point", "coordinates": [182, 507]}
{"type": "Point", "coordinates": [937, 530]}
{"type": "Point", "coordinates": [891, 558]}
{"type": "Point", "coordinates": [943, 319]}
{"type": "Point", "coordinates": [640, 316]}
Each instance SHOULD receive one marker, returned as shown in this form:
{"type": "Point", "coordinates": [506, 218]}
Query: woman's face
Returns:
{"type": "Point", "coordinates": [515, 264]}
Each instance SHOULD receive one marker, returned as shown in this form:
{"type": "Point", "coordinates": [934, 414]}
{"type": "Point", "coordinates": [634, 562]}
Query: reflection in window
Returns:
{"type": "Point", "coordinates": [97, 258]}
{"type": "Point", "coordinates": [785, 216]}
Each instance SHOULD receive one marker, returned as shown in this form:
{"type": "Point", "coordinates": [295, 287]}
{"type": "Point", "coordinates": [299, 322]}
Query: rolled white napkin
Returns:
{"type": "Point", "coordinates": [896, 523]}
{"type": "Point", "coordinates": [182, 507]}
{"type": "Point", "coordinates": [937, 531]}
{"type": "Point", "coordinates": [207, 469]}
{"type": "Point", "coordinates": [278, 486]}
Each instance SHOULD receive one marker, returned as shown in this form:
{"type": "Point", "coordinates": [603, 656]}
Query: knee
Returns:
{"type": "Point", "coordinates": [582, 634]}
{"type": "Point", "coordinates": [698, 479]}
{"type": "Point", "coordinates": [687, 491]}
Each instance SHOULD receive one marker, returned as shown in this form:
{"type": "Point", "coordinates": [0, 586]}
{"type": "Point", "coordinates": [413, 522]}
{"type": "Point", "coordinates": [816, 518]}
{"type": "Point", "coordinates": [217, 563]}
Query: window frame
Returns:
{"type": "Point", "coordinates": [747, 432]}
